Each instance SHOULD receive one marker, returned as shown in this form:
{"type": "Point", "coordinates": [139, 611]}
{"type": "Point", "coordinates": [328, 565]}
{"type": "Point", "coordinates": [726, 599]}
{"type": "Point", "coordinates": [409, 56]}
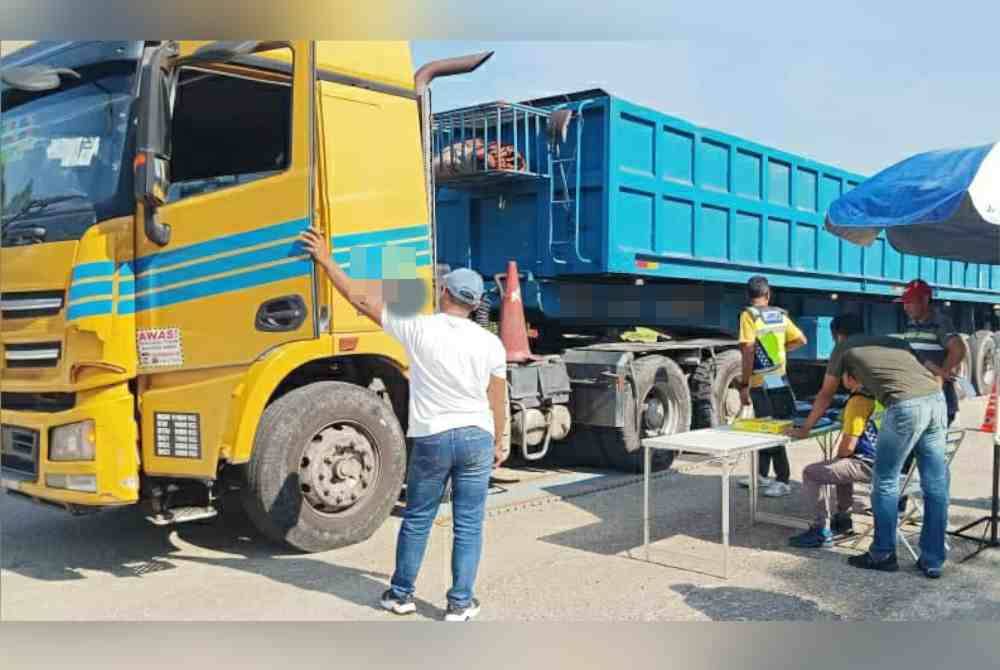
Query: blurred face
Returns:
{"type": "Point", "coordinates": [850, 383]}
{"type": "Point", "coordinates": [917, 309]}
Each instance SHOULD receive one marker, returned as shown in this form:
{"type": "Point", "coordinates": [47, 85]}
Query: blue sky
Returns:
{"type": "Point", "coordinates": [860, 100]}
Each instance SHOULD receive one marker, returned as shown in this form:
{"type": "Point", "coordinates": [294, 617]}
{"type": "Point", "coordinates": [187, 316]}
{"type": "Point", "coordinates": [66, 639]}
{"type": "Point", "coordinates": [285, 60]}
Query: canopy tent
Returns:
{"type": "Point", "coordinates": [943, 204]}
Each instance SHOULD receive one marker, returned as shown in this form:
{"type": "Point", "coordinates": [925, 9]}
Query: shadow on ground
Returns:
{"type": "Point", "coordinates": [734, 603]}
{"type": "Point", "coordinates": [48, 545]}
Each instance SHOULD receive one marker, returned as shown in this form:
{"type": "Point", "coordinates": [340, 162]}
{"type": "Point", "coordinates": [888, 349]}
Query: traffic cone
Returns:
{"type": "Point", "coordinates": [990, 419]}
{"type": "Point", "coordinates": [513, 329]}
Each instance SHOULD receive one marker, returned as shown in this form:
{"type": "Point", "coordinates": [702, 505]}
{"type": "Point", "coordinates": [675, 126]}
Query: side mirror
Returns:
{"type": "Point", "coordinates": [35, 78]}
{"type": "Point", "coordinates": [152, 155]}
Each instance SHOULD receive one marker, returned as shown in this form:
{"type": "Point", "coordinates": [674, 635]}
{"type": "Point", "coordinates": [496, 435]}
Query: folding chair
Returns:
{"type": "Point", "coordinates": [910, 486]}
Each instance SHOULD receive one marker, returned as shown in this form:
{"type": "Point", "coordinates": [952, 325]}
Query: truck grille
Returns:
{"type": "Point", "coordinates": [34, 355]}
{"type": "Point", "coordinates": [19, 452]}
{"type": "Point", "coordinates": [28, 304]}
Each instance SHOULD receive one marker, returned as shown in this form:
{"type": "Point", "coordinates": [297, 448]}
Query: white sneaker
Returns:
{"type": "Point", "coordinates": [761, 482]}
{"type": "Point", "coordinates": [776, 490]}
{"type": "Point", "coordinates": [397, 605]}
{"type": "Point", "coordinates": [467, 613]}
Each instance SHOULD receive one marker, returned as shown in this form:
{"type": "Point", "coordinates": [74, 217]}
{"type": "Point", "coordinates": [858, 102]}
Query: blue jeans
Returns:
{"type": "Point", "coordinates": [465, 455]}
{"type": "Point", "coordinates": [917, 425]}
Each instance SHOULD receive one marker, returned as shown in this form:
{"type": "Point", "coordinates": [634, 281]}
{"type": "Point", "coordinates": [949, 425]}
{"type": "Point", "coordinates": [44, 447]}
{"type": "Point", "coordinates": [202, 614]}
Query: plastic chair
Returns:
{"type": "Point", "coordinates": [910, 486]}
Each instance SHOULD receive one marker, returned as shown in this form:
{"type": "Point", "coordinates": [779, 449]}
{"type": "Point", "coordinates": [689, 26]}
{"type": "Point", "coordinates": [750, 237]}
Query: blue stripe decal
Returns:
{"type": "Point", "coordinates": [126, 287]}
{"type": "Point", "coordinates": [224, 285]}
{"type": "Point", "coordinates": [100, 288]}
{"type": "Point", "coordinates": [96, 308]}
{"type": "Point", "coordinates": [126, 307]}
{"type": "Point", "coordinates": [220, 245]}
{"type": "Point", "coordinates": [126, 270]}
{"type": "Point", "coordinates": [378, 236]}
{"type": "Point", "coordinates": [91, 270]}
{"type": "Point", "coordinates": [228, 264]}
{"type": "Point", "coordinates": [159, 284]}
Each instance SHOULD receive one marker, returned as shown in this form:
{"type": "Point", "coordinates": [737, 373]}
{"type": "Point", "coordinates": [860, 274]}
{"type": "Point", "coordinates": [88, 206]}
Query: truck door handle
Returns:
{"type": "Point", "coordinates": [281, 314]}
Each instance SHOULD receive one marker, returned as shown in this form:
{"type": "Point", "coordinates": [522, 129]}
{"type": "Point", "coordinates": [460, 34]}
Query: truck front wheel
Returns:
{"type": "Point", "coordinates": [327, 467]}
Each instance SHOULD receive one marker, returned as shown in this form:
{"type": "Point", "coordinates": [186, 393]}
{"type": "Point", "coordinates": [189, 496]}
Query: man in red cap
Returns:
{"type": "Point", "coordinates": [934, 339]}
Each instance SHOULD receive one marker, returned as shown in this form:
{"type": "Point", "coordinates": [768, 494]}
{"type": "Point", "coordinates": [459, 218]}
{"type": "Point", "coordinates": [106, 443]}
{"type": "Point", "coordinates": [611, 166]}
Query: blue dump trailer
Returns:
{"type": "Point", "coordinates": [620, 216]}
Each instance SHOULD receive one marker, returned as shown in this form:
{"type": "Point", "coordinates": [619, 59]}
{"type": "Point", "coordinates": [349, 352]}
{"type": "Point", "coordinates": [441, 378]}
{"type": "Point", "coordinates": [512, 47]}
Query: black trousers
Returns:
{"type": "Point", "coordinates": [779, 458]}
{"type": "Point", "coordinates": [776, 456]}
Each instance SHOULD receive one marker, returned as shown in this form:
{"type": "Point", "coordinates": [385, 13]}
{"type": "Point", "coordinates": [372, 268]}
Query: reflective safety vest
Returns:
{"type": "Point", "coordinates": [770, 325]}
{"type": "Point", "coordinates": [865, 447]}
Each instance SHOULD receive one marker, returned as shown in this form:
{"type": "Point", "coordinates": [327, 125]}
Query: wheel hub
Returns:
{"type": "Point", "coordinates": [337, 469]}
{"type": "Point", "coordinates": [654, 414]}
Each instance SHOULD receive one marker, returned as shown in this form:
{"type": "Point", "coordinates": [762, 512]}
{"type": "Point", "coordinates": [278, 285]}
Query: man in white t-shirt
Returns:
{"type": "Point", "coordinates": [458, 373]}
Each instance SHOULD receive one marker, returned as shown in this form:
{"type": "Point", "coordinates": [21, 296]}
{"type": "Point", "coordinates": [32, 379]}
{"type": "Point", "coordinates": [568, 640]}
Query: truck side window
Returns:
{"type": "Point", "coordinates": [228, 129]}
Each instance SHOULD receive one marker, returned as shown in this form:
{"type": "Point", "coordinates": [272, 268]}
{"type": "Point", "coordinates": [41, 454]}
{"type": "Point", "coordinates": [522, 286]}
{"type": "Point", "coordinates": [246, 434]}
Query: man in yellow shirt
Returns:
{"type": "Point", "coordinates": [852, 463]}
{"type": "Point", "coordinates": [766, 337]}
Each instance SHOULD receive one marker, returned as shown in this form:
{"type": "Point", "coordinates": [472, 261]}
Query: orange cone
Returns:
{"type": "Point", "coordinates": [513, 329]}
{"type": "Point", "coordinates": [990, 419]}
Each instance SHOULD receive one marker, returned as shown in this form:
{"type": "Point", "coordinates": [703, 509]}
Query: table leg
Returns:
{"type": "Point", "coordinates": [726, 468]}
{"type": "Point", "coordinates": [646, 458]}
{"type": "Point", "coordinates": [754, 458]}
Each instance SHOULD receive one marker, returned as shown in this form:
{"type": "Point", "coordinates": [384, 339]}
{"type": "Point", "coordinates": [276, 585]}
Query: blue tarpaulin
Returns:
{"type": "Point", "coordinates": [944, 204]}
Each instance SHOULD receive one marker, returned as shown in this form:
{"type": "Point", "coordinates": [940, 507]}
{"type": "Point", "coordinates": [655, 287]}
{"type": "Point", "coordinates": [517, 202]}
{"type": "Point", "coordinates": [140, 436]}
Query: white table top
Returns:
{"type": "Point", "coordinates": [716, 441]}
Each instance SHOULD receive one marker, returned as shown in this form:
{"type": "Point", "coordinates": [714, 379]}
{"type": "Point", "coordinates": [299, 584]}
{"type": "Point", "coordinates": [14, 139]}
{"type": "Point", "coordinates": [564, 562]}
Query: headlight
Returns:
{"type": "Point", "coordinates": [73, 442]}
{"type": "Point", "coordinates": [85, 483]}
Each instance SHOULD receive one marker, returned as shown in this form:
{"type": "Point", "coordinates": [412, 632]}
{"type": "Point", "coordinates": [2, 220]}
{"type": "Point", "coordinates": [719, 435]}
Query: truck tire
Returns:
{"type": "Point", "coordinates": [982, 347]}
{"type": "Point", "coordinates": [326, 434]}
{"type": "Point", "coordinates": [965, 367]}
{"type": "Point", "coordinates": [660, 384]}
{"type": "Point", "coordinates": [716, 402]}
{"type": "Point", "coordinates": [701, 384]}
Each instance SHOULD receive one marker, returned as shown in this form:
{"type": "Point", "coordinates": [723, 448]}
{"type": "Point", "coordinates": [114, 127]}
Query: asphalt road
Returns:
{"type": "Point", "coordinates": [560, 546]}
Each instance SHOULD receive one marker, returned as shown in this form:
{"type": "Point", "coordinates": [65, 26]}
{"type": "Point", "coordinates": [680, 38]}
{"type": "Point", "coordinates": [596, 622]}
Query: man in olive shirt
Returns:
{"type": "Point", "coordinates": [915, 420]}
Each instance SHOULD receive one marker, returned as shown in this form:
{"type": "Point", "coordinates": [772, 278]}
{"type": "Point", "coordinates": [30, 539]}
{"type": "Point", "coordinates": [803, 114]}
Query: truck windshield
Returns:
{"type": "Point", "coordinates": [68, 146]}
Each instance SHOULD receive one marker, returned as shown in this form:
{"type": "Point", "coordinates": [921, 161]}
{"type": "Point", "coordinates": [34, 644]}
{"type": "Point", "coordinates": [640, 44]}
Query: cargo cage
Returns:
{"type": "Point", "coordinates": [487, 148]}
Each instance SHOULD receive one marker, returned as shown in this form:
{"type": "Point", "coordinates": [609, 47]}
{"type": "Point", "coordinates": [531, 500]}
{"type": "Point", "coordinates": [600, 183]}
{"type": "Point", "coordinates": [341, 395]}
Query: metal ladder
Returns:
{"type": "Point", "coordinates": [568, 204]}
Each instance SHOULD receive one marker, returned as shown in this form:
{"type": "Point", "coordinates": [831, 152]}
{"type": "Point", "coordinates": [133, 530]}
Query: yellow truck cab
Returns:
{"type": "Point", "coordinates": [164, 338]}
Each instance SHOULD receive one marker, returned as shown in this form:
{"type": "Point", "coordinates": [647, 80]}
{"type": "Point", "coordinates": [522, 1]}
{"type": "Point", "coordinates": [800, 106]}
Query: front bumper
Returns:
{"type": "Point", "coordinates": [116, 460]}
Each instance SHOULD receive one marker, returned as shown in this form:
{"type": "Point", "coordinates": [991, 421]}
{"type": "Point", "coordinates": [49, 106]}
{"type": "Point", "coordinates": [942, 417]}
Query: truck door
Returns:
{"type": "Point", "coordinates": [232, 282]}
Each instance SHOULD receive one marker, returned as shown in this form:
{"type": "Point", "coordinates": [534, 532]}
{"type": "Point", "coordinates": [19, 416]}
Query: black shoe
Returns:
{"type": "Point", "coordinates": [467, 613]}
{"type": "Point", "coordinates": [929, 573]}
{"type": "Point", "coordinates": [398, 605]}
{"type": "Point", "coordinates": [867, 562]}
{"type": "Point", "coordinates": [841, 524]}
